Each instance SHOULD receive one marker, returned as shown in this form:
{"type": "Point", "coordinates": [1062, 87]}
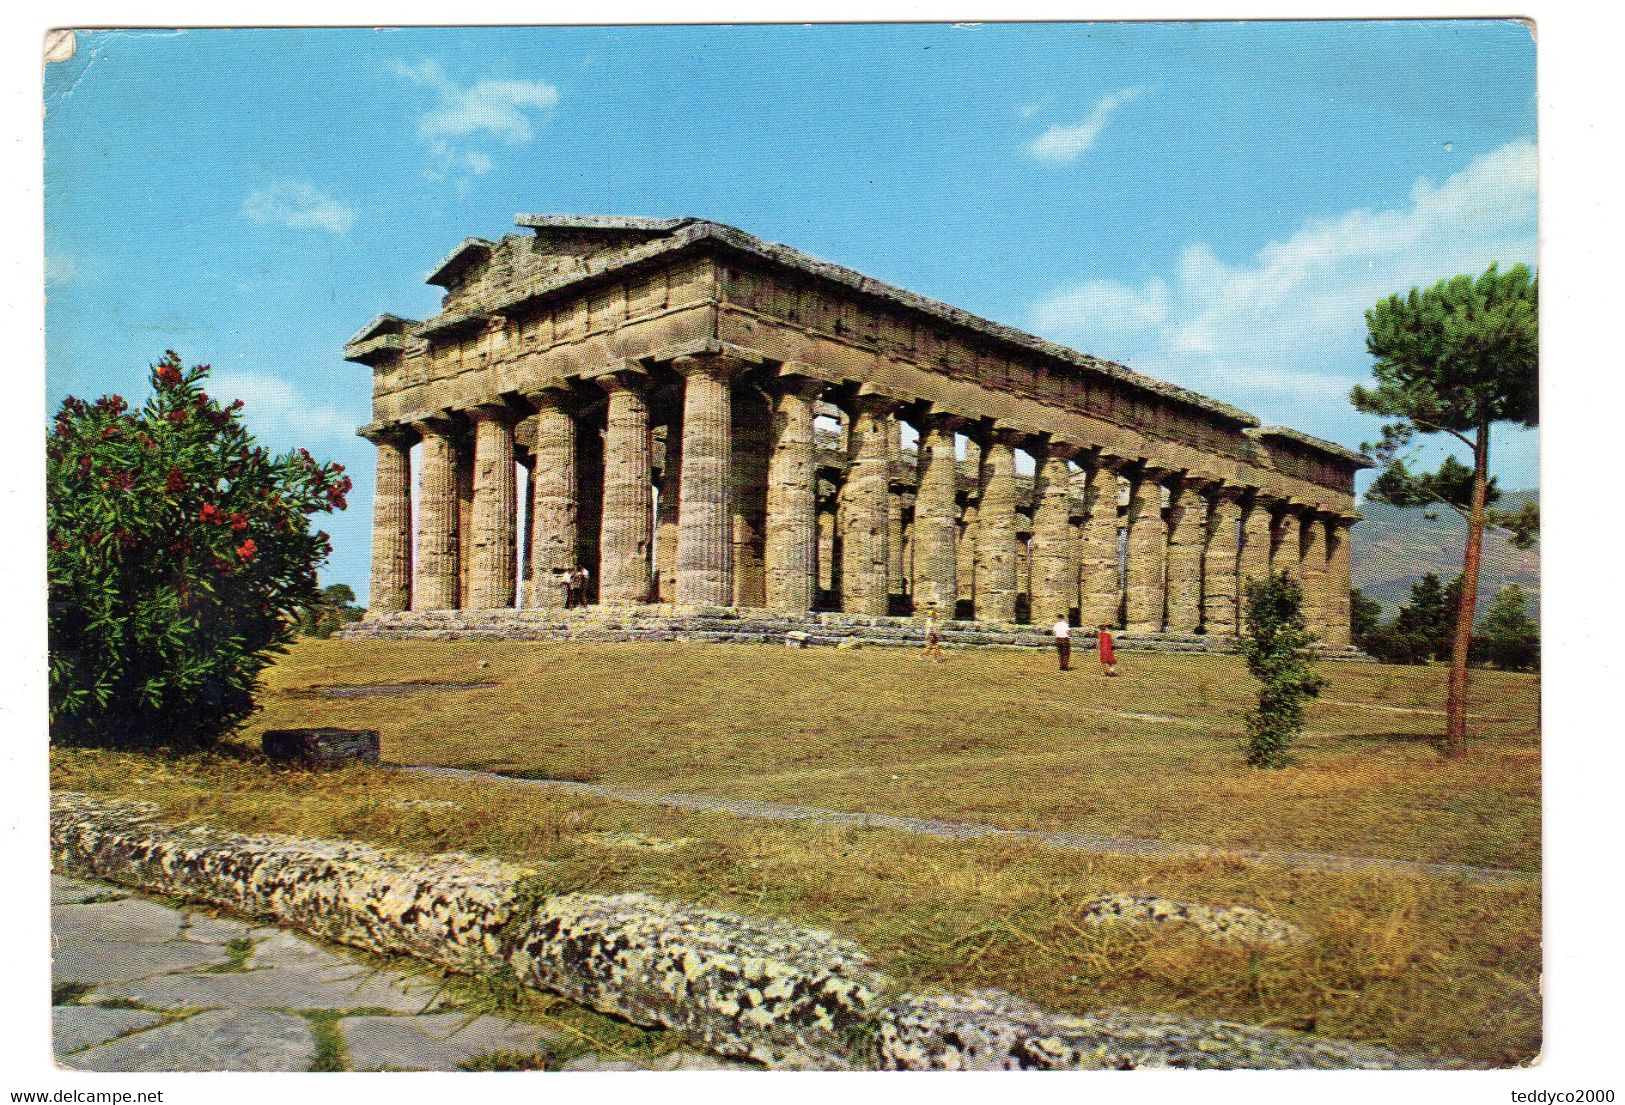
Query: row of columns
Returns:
{"type": "Point", "coordinates": [1174, 569]}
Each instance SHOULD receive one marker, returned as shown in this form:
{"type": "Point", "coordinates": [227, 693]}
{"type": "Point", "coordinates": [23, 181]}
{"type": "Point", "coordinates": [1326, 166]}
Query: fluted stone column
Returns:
{"type": "Point", "coordinates": [1314, 573]}
{"type": "Point", "coordinates": [1187, 535]}
{"type": "Point", "coordinates": [464, 444]}
{"type": "Point", "coordinates": [391, 590]}
{"type": "Point", "coordinates": [829, 574]}
{"type": "Point", "coordinates": [1054, 573]}
{"type": "Point", "coordinates": [1339, 579]}
{"type": "Point", "coordinates": [996, 531]}
{"type": "Point", "coordinates": [436, 586]}
{"type": "Point", "coordinates": [555, 498]}
{"type": "Point", "coordinates": [626, 531]}
{"type": "Point", "coordinates": [936, 528]}
{"type": "Point", "coordinates": [866, 557]}
{"type": "Point", "coordinates": [492, 568]}
{"type": "Point", "coordinates": [705, 559]}
{"type": "Point", "coordinates": [1099, 597]}
{"type": "Point", "coordinates": [1147, 553]}
{"type": "Point", "coordinates": [1257, 535]}
{"type": "Point", "coordinates": [790, 548]}
{"type": "Point", "coordinates": [1286, 552]}
{"type": "Point", "coordinates": [1219, 563]}
{"type": "Point", "coordinates": [666, 515]}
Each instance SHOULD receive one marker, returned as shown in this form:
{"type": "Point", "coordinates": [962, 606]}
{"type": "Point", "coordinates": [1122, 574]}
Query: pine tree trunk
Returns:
{"type": "Point", "coordinates": [1455, 740]}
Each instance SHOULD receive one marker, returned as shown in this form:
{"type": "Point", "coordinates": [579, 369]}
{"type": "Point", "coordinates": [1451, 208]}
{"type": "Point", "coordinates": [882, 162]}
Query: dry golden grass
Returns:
{"type": "Point", "coordinates": [1422, 964]}
{"type": "Point", "coordinates": [990, 736]}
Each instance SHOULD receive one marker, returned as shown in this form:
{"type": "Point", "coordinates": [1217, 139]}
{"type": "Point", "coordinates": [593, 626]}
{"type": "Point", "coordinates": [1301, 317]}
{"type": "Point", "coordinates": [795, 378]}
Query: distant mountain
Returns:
{"type": "Point", "coordinates": [1393, 547]}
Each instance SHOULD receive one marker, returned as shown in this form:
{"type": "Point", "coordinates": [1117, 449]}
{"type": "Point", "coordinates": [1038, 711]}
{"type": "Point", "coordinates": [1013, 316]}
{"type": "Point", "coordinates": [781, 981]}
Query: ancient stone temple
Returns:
{"type": "Point", "coordinates": [702, 418]}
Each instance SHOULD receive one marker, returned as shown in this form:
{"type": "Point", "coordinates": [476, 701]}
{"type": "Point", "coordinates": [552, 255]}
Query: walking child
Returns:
{"type": "Point", "coordinates": [933, 639]}
{"type": "Point", "coordinates": [1108, 652]}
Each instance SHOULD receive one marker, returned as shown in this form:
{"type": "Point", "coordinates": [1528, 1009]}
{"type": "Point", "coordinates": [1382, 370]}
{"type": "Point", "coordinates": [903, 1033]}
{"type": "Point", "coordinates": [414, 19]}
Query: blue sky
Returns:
{"type": "Point", "coordinates": [1215, 204]}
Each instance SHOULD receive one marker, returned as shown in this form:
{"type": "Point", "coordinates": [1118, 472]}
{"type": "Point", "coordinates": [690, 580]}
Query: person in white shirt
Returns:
{"type": "Point", "coordinates": [1062, 630]}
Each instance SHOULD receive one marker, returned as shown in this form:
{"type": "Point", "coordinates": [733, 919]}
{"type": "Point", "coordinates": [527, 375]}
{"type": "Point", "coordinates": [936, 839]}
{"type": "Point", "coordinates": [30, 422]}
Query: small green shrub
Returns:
{"type": "Point", "coordinates": [1275, 643]}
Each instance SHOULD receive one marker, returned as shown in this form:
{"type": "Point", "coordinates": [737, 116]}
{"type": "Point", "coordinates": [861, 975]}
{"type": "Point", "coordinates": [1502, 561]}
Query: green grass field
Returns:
{"type": "Point", "coordinates": [1421, 963]}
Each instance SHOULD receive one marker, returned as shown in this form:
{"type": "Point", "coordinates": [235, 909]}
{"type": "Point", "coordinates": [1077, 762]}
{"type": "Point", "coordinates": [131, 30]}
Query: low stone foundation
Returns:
{"type": "Point", "coordinates": [733, 625]}
{"type": "Point", "coordinates": [785, 996]}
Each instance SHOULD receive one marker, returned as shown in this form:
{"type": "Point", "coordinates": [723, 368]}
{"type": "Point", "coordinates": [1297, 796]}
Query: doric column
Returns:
{"type": "Point", "coordinates": [666, 515]}
{"type": "Point", "coordinates": [436, 586]}
{"type": "Point", "coordinates": [1339, 579]}
{"type": "Point", "coordinates": [1147, 553]}
{"type": "Point", "coordinates": [1054, 574]}
{"type": "Point", "coordinates": [790, 547]}
{"type": "Point", "coordinates": [752, 444]}
{"type": "Point", "coordinates": [1286, 550]}
{"type": "Point", "coordinates": [705, 513]}
{"type": "Point", "coordinates": [828, 546]}
{"type": "Point", "coordinates": [626, 531]}
{"type": "Point", "coordinates": [1314, 573]}
{"type": "Point", "coordinates": [391, 589]}
{"type": "Point", "coordinates": [464, 445]}
{"type": "Point", "coordinates": [1099, 593]}
{"type": "Point", "coordinates": [896, 570]}
{"type": "Point", "coordinates": [866, 558]}
{"type": "Point", "coordinates": [554, 503]}
{"type": "Point", "coordinates": [1257, 534]}
{"type": "Point", "coordinates": [1219, 563]}
{"type": "Point", "coordinates": [996, 530]}
{"type": "Point", "coordinates": [936, 527]}
{"type": "Point", "coordinates": [492, 568]}
{"type": "Point", "coordinates": [1187, 534]}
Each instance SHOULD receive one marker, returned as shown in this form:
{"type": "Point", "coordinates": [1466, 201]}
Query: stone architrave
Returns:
{"type": "Point", "coordinates": [705, 515]}
{"type": "Point", "coordinates": [1339, 580]}
{"type": "Point", "coordinates": [555, 503]}
{"type": "Point", "coordinates": [626, 530]}
{"type": "Point", "coordinates": [866, 558]}
{"type": "Point", "coordinates": [1286, 549]}
{"type": "Point", "coordinates": [1053, 550]}
{"type": "Point", "coordinates": [464, 451]}
{"type": "Point", "coordinates": [1219, 563]}
{"type": "Point", "coordinates": [1257, 536]}
{"type": "Point", "coordinates": [1143, 588]}
{"type": "Point", "coordinates": [1314, 573]}
{"type": "Point", "coordinates": [752, 444]}
{"type": "Point", "coordinates": [790, 546]}
{"type": "Point", "coordinates": [936, 527]}
{"type": "Point", "coordinates": [391, 590]}
{"type": "Point", "coordinates": [1099, 594]}
{"type": "Point", "coordinates": [436, 585]}
{"type": "Point", "coordinates": [1187, 535]}
{"type": "Point", "coordinates": [996, 530]}
{"type": "Point", "coordinates": [492, 571]}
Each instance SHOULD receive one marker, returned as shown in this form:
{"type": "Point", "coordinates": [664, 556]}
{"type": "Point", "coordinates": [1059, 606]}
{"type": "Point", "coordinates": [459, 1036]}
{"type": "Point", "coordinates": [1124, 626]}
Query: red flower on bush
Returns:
{"type": "Point", "coordinates": [246, 551]}
{"type": "Point", "coordinates": [176, 483]}
{"type": "Point", "coordinates": [169, 375]}
{"type": "Point", "coordinates": [210, 514]}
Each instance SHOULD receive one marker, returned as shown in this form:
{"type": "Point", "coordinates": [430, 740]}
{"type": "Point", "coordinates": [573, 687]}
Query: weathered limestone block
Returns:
{"type": "Point", "coordinates": [1313, 572]}
{"type": "Point", "coordinates": [791, 552]}
{"type": "Point", "coordinates": [391, 590]}
{"type": "Point", "coordinates": [996, 531]}
{"type": "Point", "coordinates": [752, 443]}
{"type": "Point", "coordinates": [1099, 595]}
{"type": "Point", "coordinates": [865, 556]}
{"type": "Point", "coordinates": [492, 571]}
{"type": "Point", "coordinates": [785, 996]}
{"type": "Point", "coordinates": [992, 1030]}
{"type": "Point", "coordinates": [1219, 563]}
{"type": "Point", "coordinates": [554, 502]}
{"type": "Point", "coordinates": [627, 526]}
{"type": "Point", "coordinates": [436, 587]}
{"type": "Point", "coordinates": [1054, 573]}
{"type": "Point", "coordinates": [705, 514]}
{"type": "Point", "coordinates": [1236, 924]}
{"type": "Point", "coordinates": [1147, 554]}
{"type": "Point", "coordinates": [1186, 538]}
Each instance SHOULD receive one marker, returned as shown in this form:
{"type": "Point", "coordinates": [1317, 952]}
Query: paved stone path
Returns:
{"type": "Point", "coordinates": [142, 986]}
{"type": "Point", "coordinates": [970, 830]}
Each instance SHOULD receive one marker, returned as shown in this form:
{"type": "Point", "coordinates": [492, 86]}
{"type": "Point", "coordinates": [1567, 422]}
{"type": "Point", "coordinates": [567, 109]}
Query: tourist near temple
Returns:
{"type": "Point", "coordinates": [709, 420]}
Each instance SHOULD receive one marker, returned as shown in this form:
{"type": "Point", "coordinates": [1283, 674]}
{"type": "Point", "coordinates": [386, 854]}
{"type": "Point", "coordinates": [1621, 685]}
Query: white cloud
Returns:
{"type": "Point", "coordinates": [1060, 145]}
{"type": "Point", "coordinates": [1287, 325]}
{"type": "Point", "coordinates": [280, 414]}
{"type": "Point", "coordinates": [298, 205]}
{"type": "Point", "coordinates": [488, 110]}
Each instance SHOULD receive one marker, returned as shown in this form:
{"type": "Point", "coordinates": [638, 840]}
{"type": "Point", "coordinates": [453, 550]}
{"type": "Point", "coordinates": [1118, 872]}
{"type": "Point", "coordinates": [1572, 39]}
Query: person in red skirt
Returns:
{"type": "Point", "coordinates": [1108, 653]}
